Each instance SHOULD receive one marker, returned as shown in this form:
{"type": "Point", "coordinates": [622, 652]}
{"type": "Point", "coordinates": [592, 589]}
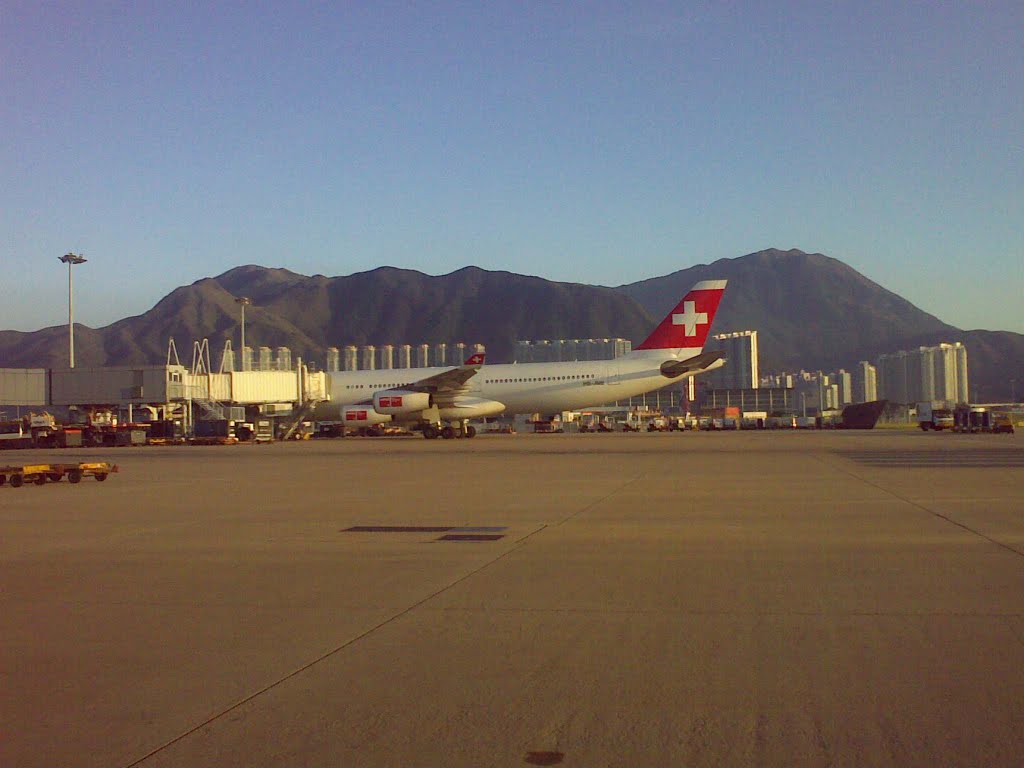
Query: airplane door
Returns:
{"type": "Point", "coordinates": [612, 375]}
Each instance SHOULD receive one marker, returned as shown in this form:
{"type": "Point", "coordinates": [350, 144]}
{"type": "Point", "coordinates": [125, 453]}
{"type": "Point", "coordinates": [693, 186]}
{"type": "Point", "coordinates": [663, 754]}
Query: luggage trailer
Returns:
{"type": "Point", "coordinates": [40, 474]}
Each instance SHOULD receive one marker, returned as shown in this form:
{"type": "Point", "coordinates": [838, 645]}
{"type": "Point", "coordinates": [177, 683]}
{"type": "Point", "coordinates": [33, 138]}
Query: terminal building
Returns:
{"type": "Point", "coordinates": [759, 399]}
{"type": "Point", "coordinates": [171, 394]}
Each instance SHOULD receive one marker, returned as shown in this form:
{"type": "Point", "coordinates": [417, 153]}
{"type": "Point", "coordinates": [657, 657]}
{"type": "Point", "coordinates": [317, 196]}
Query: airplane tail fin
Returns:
{"type": "Point", "coordinates": [475, 359]}
{"type": "Point", "coordinates": [685, 328]}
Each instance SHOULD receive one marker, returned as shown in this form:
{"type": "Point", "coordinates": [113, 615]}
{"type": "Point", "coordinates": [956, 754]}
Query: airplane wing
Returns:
{"type": "Point", "coordinates": [703, 361]}
{"type": "Point", "coordinates": [450, 381]}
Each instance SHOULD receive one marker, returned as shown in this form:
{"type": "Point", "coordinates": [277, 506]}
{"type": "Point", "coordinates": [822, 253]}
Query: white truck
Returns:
{"type": "Point", "coordinates": [934, 416]}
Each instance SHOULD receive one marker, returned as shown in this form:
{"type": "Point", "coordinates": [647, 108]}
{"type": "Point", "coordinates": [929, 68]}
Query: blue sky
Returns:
{"type": "Point", "coordinates": [600, 142]}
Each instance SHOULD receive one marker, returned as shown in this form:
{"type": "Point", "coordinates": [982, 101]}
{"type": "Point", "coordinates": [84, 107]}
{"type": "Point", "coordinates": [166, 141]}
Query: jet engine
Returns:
{"type": "Point", "coordinates": [400, 401]}
{"type": "Point", "coordinates": [470, 408]}
{"type": "Point", "coordinates": [362, 416]}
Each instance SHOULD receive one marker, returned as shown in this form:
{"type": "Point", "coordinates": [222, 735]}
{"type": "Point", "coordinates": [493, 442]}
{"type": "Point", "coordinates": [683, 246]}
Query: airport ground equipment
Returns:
{"type": "Point", "coordinates": [40, 474]}
{"type": "Point", "coordinates": [934, 416]}
{"type": "Point", "coordinates": [35, 430]}
{"type": "Point", "coordinates": [980, 418]}
{"type": "Point", "coordinates": [1002, 423]}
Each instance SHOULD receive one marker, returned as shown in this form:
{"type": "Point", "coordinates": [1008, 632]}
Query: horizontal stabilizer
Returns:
{"type": "Point", "coordinates": [702, 362]}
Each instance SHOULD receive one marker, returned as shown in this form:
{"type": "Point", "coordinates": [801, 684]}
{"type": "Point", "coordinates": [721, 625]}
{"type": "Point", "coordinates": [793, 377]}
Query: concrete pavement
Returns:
{"type": "Point", "coordinates": [653, 599]}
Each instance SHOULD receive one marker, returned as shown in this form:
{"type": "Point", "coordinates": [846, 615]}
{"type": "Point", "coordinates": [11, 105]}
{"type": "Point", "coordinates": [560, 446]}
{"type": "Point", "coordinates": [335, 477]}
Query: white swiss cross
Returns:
{"type": "Point", "coordinates": [690, 318]}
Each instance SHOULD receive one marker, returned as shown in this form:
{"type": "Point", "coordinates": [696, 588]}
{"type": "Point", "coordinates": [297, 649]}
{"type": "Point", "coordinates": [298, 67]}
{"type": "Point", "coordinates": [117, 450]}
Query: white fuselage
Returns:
{"type": "Point", "coordinates": [526, 387]}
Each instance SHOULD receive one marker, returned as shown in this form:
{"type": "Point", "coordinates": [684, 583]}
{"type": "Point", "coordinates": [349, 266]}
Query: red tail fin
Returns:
{"type": "Point", "coordinates": [476, 359]}
{"type": "Point", "coordinates": [688, 324]}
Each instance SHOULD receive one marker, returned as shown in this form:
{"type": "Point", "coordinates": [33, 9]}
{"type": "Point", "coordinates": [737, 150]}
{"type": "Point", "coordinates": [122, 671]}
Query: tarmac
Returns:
{"type": "Point", "coordinates": [698, 599]}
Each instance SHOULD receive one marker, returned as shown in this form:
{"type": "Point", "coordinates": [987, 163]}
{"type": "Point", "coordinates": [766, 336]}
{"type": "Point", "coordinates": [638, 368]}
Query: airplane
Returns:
{"type": "Point", "coordinates": [441, 400]}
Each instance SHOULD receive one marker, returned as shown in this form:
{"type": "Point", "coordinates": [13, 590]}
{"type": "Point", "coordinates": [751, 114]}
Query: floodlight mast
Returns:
{"type": "Point", "coordinates": [243, 301]}
{"type": "Point", "coordinates": [71, 259]}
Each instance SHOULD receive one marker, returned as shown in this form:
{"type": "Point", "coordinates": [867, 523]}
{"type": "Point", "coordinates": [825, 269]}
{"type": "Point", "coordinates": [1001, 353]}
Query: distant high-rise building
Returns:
{"type": "Point", "coordinates": [962, 391]}
{"type": "Point", "coordinates": [561, 350]}
{"type": "Point", "coordinates": [266, 359]}
{"type": "Point", "coordinates": [441, 354]}
{"type": "Point", "coordinates": [423, 356]}
{"type": "Point", "coordinates": [892, 377]}
{"type": "Point", "coordinates": [247, 358]}
{"type": "Point", "coordinates": [369, 358]}
{"type": "Point", "coordinates": [823, 398]}
{"type": "Point", "coordinates": [865, 383]}
{"type": "Point", "coordinates": [844, 381]}
{"type": "Point", "coordinates": [937, 373]}
{"type": "Point", "coordinates": [741, 361]}
{"type": "Point", "coordinates": [333, 360]}
{"type": "Point", "coordinates": [925, 373]}
{"type": "Point", "coordinates": [458, 353]}
{"type": "Point", "coordinates": [387, 357]}
{"type": "Point", "coordinates": [405, 356]}
{"type": "Point", "coordinates": [350, 362]}
{"type": "Point", "coordinates": [283, 359]}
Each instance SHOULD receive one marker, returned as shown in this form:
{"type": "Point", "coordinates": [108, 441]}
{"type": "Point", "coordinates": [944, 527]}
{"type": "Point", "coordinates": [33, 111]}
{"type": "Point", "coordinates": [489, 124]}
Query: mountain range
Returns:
{"type": "Point", "coordinates": [811, 311]}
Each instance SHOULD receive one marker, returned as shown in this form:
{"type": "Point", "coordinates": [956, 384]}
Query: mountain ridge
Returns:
{"type": "Point", "coordinates": [811, 311]}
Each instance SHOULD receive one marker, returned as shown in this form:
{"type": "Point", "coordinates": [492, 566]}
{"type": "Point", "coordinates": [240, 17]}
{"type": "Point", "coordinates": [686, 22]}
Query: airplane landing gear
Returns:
{"type": "Point", "coordinates": [449, 431]}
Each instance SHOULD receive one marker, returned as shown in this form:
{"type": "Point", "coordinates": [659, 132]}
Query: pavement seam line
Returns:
{"type": "Point", "coordinates": [601, 500]}
{"type": "Point", "coordinates": [408, 609]}
{"type": "Point", "coordinates": [920, 506]}
{"type": "Point", "coordinates": [323, 657]}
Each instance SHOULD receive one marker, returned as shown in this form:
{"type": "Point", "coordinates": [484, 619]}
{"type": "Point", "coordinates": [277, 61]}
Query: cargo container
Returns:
{"type": "Point", "coordinates": [213, 428]}
{"type": "Point", "coordinates": [69, 437]}
{"type": "Point", "coordinates": [264, 431]}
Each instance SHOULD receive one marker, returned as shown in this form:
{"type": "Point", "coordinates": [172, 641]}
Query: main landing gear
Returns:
{"type": "Point", "coordinates": [449, 431]}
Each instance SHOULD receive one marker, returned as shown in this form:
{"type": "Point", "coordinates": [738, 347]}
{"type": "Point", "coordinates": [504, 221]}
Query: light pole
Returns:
{"type": "Point", "coordinates": [71, 259]}
{"type": "Point", "coordinates": [243, 302]}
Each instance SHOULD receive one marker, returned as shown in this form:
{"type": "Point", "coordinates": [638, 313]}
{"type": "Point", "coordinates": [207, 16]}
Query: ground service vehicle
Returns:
{"type": "Point", "coordinates": [40, 474]}
{"type": "Point", "coordinates": [934, 416]}
{"type": "Point", "coordinates": [978, 418]}
{"type": "Point", "coordinates": [1001, 422]}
